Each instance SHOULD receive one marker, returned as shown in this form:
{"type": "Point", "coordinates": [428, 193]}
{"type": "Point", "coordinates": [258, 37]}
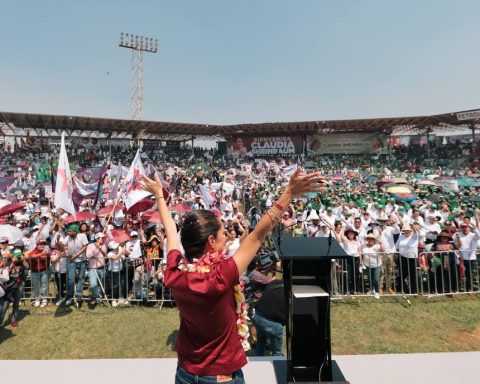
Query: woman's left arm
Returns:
{"type": "Point", "coordinates": [299, 183]}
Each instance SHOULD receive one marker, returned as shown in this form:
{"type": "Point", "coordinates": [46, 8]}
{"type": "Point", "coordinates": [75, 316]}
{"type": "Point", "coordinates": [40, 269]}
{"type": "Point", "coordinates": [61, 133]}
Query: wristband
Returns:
{"type": "Point", "coordinates": [280, 207]}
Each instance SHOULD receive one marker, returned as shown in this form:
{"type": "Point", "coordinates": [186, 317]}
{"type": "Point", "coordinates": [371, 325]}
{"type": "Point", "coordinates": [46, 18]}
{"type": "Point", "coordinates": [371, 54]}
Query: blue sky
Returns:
{"type": "Point", "coordinates": [222, 61]}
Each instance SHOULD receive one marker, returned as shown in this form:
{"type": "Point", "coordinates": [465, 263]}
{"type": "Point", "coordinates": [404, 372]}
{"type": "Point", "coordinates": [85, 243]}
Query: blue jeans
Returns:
{"type": "Point", "coordinates": [374, 277]}
{"type": "Point", "coordinates": [5, 300]}
{"type": "Point", "coordinates": [94, 285]}
{"type": "Point", "coordinates": [72, 268]}
{"type": "Point", "coordinates": [471, 274]}
{"type": "Point", "coordinates": [271, 330]}
{"type": "Point", "coordinates": [3, 309]}
{"type": "Point", "coordinates": [40, 282]}
{"type": "Point", "coordinates": [184, 377]}
{"type": "Point", "coordinates": [117, 284]}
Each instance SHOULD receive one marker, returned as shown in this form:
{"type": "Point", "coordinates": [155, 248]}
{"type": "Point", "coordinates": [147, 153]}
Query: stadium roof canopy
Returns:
{"type": "Point", "coordinates": [23, 124]}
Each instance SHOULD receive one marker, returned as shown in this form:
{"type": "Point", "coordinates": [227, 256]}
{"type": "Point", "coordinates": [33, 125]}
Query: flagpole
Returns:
{"type": "Point", "coordinates": [103, 289]}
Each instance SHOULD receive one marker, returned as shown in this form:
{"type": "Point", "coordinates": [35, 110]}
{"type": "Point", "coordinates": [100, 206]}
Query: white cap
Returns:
{"type": "Point", "coordinates": [99, 235]}
{"type": "Point", "coordinates": [313, 215]}
{"type": "Point", "coordinates": [133, 233]}
{"type": "Point", "coordinates": [113, 244]}
{"type": "Point", "coordinates": [406, 227]}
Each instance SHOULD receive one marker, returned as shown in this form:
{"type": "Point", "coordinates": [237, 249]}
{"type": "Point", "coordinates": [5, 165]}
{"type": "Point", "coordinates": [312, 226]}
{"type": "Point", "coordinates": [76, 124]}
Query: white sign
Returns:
{"type": "Point", "coordinates": [48, 191]}
{"type": "Point", "coordinates": [470, 115]}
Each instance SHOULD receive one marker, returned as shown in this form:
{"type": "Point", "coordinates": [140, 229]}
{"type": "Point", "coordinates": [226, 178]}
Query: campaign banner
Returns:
{"type": "Point", "coordinates": [347, 143]}
{"type": "Point", "coordinates": [458, 139]}
{"type": "Point", "coordinates": [151, 144]}
{"type": "Point", "coordinates": [172, 144]}
{"type": "Point", "coordinates": [264, 146]}
{"type": "Point", "coordinates": [89, 174]}
{"type": "Point", "coordinates": [410, 140]}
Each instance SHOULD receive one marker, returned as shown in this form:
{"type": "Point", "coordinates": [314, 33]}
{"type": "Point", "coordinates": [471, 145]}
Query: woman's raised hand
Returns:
{"type": "Point", "coordinates": [301, 182]}
{"type": "Point", "coordinates": [154, 186]}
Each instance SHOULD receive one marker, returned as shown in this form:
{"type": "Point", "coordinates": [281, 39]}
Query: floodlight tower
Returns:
{"type": "Point", "coordinates": [138, 45]}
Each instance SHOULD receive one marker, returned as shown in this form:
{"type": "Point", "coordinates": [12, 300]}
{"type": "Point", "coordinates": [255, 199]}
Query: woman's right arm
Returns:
{"type": "Point", "coordinates": [156, 189]}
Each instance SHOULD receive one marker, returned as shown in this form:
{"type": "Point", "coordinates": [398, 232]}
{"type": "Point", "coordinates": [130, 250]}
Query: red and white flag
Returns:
{"type": "Point", "coordinates": [134, 191]}
{"type": "Point", "coordinates": [64, 186]}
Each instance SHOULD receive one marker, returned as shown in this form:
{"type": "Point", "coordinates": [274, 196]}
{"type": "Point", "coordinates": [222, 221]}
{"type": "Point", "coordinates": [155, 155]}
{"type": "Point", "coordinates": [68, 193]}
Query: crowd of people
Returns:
{"type": "Point", "coordinates": [409, 223]}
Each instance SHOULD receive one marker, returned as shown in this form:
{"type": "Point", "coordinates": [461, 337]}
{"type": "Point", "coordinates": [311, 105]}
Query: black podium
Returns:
{"type": "Point", "coordinates": [307, 268]}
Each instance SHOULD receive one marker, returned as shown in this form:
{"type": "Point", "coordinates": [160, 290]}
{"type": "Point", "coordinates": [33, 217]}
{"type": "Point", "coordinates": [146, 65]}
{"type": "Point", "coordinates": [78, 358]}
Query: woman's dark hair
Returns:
{"type": "Point", "coordinates": [81, 225]}
{"type": "Point", "coordinates": [197, 227]}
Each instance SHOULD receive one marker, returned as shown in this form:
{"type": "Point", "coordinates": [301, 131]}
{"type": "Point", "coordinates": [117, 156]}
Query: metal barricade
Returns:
{"type": "Point", "coordinates": [432, 273]}
{"type": "Point", "coordinates": [129, 281]}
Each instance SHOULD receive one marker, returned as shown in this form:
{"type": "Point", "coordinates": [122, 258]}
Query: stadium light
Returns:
{"type": "Point", "coordinates": [138, 44]}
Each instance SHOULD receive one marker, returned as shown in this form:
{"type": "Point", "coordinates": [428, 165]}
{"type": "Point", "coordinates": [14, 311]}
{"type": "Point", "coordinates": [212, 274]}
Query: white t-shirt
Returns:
{"type": "Point", "coordinates": [20, 216]}
{"type": "Point", "coordinates": [232, 248]}
{"type": "Point", "coordinates": [313, 230]}
{"type": "Point", "coordinates": [28, 243]}
{"type": "Point", "coordinates": [430, 228]}
{"type": "Point", "coordinates": [61, 265]}
{"type": "Point", "coordinates": [407, 219]}
{"type": "Point", "coordinates": [135, 249]}
{"type": "Point", "coordinates": [469, 244]}
{"type": "Point", "coordinates": [115, 265]}
{"type": "Point", "coordinates": [408, 246]}
{"type": "Point", "coordinates": [390, 208]}
{"type": "Point", "coordinates": [371, 256]}
{"type": "Point", "coordinates": [330, 219]}
{"type": "Point", "coordinates": [74, 246]}
{"type": "Point", "coordinates": [351, 247]}
{"type": "Point", "coordinates": [387, 237]}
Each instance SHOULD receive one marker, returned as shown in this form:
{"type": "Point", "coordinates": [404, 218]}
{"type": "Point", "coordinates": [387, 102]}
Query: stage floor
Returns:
{"type": "Point", "coordinates": [406, 368]}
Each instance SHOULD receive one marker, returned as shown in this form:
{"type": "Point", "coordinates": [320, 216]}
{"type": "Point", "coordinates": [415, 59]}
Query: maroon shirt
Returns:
{"type": "Point", "coordinates": [207, 342]}
{"type": "Point", "coordinates": [40, 262]}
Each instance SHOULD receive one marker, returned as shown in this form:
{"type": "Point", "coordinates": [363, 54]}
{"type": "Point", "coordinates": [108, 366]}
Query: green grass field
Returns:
{"type": "Point", "coordinates": [359, 326]}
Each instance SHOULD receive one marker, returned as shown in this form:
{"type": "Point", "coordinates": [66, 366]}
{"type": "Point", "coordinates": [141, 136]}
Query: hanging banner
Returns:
{"type": "Point", "coordinates": [457, 139]}
{"type": "Point", "coordinates": [347, 143]}
{"type": "Point", "coordinates": [410, 140]}
{"type": "Point", "coordinates": [264, 146]}
{"type": "Point", "coordinates": [172, 144]}
{"type": "Point", "coordinates": [151, 144]}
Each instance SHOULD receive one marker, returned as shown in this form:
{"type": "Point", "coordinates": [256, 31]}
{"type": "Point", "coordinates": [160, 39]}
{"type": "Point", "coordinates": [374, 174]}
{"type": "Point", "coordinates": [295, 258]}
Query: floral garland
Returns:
{"type": "Point", "coordinates": [204, 265]}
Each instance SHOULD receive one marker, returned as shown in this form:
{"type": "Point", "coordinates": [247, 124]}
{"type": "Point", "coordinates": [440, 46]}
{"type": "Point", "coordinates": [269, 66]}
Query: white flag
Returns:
{"type": "Point", "coordinates": [135, 193]}
{"type": "Point", "coordinates": [64, 186]}
{"type": "Point", "coordinates": [85, 189]}
{"type": "Point", "coordinates": [206, 196]}
{"type": "Point", "coordinates": [289, 170]}
{"type": "Point", "coordinates": [113, 193]}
